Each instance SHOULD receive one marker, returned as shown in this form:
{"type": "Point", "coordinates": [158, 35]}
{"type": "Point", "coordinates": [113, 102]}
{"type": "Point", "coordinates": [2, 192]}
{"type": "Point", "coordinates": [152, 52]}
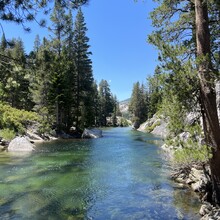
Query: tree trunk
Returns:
{"type": "Point", "coordinates": [208, 95]}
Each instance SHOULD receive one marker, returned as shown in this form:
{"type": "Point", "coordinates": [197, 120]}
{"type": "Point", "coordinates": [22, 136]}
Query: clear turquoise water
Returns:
{"type": "Point", "coordinates": [120, 176]}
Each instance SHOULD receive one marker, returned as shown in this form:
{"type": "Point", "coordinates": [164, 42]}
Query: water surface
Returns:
{"type": "Point", "coordinates": [120, 176]}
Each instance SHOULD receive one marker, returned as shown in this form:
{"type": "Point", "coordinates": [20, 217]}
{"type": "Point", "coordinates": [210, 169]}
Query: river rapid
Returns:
{"type": "Point", "coordinates": [120, 176]}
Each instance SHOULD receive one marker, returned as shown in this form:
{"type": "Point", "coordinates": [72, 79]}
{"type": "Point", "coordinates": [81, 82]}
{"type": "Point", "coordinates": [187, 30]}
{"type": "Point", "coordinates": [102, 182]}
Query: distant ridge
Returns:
{"type": "Point", "coordinates": [125, 101]}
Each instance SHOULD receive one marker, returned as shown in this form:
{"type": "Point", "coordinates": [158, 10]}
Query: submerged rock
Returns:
{"type": "Point", "coordinates": [20, 144]}
{"type": "Point", "coordinates": [92, 133]}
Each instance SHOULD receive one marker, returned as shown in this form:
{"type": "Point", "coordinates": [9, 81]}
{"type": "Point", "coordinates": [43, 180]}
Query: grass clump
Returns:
{"type": "Point", "coordinates": [154, 125]}
{"type": "Point", "coordinates": [191, 154]}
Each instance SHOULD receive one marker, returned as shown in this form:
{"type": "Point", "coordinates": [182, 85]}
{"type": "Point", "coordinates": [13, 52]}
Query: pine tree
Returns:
{"type": "Point", "coordinates": [24, 11]}
{"type": "Point", "coordinates": [41, 84]}
{"type": "Point", "coordinates": [58, 18]}
{"type": "Point", "coordinates": [188, 53]}
{"type": "Point", "coordinates": [208, 96]}
{"type": "Point", "coordinates": [37, 43]}
{"type": "Point", "coordinates": [84, 76]}
{"type": "Point", "coordinates": [4, 67]}
{"type": "Point", "coordinates": [116, 111]}
{"type": "Point", "coordinates": [106, 102]}
{"type": "Point", "coordinates": [97, 104]}
{"type": "Point", "coordinates": [15, 77]}
{"type": "Point", "coordinates": [138, 105]}
{"type": "Point", "coordinates": [3, 44]}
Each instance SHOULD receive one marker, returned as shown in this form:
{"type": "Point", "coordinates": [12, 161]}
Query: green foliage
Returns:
{"type": "Point", "coordinates": [155, 91]}
{"type": "Point", "coordinates": [192, 153]}
{"type": "Point", "coordinates": [154, 125]}
{"type": "Point", "coordinates": [14, 119]}
{"type": "Point", "coordinates": [14, 76]}
{"type": "Point", "coordinates": [175, 38]}
{"type": "Point", "coordinates": [107, 102]}
{"type": "Point", "coordinates": [63, 86]}
{"type": "Point", "coordinates": [24, 11]}
{"type": "Point", "coordinates": [82, 82]}
{"type": "Point", "coordinates": [45, 120]}
{"type": "Point", "coordinates": [138, 103]}
{"type": "Point", "coordinates": [190, 150]}
{"type": "Point", "coordinates": [124, 122]}
{"type": "Point", "coordinates": [7, 134]}
{"type": "Point", "coordinates": [55, 79]}
{"type": "Point", "coordinates": [175, 112]}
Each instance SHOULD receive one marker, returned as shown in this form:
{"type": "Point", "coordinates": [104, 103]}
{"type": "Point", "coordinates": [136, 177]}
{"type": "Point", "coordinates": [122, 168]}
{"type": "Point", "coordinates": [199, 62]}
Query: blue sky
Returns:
{"type": "Point", "coordinates": [118, 31]}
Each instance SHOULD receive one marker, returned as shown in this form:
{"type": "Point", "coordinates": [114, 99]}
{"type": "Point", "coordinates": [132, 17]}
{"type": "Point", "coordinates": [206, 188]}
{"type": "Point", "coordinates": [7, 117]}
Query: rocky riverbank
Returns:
{"type": "Point", "coordinates": [26, 143]}
{"type": "Point", "coordinates": [194, 175]}
{"type": "Point", "coordinates": [198, 178]}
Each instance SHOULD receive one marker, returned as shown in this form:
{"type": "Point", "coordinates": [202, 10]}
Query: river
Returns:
{"type": "Point", "coordinates": [120, 176]}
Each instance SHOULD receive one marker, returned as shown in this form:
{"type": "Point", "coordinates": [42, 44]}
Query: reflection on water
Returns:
{"type": "Point", "coordinates": [120, 176]}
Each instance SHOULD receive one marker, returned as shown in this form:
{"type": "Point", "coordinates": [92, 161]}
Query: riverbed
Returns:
{"type": "Point", "coordinates": [120, 176]}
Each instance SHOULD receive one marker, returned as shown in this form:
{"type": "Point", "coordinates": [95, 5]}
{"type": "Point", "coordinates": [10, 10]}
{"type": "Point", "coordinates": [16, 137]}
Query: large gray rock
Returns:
{"type": "Point", "coordinates": [161, 129]}
{"type": "Point", "coordinates": [156, 125]}
{"type": "Point", "coordinates": [20, 144]}
{"type": "Point", "coordinates": [192, 117]}
{"type": "Point", "coordinates": [145, 126]}
{"type": "Point", "coordinates": [184, 136]}
{"type": "Point", "coordinates": [92, 133]}
{"type": "Point", "coordinates": [136, 125]}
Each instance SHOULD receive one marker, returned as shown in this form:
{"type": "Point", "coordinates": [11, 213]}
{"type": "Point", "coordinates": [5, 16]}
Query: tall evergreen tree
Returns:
{"type": "Point", "coordinates": [84, 76]}
{"type": "Point", "coordinates": [138, 105]}
{"type": "Point", "coordinates": [14, 76]}
{"type": "Point", "coordinates": [97, 104]}
{"type": "Point", "coordinates": [187, 52]}
{"type": "Point", "coordinates": [3, 44]}
{"type": "Point", "coordinates": [41, 83]}
{"type": "Point", "coordinates": [106, 102]}
{"type": "Point", "coordinates": [155, 92]}
{"type": "Point", "coordinates": [116, 111]}
{"type": "Point", "coordinates": [58, 18]}
{"type": "Point", "coordinates": [208, 96]}
{"type": "Point", "coordinates": [37, 43]}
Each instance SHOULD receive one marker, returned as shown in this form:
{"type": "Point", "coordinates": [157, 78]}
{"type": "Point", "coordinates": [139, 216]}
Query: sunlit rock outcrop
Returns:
{"type": "Point", "coordinates": [92, 133]}
{"type": "Point", "coordinates": [156, 125]}
{"type": "Point", "coordinates": [20, 144]}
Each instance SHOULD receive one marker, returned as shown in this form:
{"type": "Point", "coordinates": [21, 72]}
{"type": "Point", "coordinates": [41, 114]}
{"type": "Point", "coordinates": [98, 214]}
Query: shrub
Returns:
{"type": "Point", "coordinates": [192, 154]}
{"type": "Point", "coordinates": [124, 122]}
{"type": "Point", "coordinates": [172, 109]}
{"type": "Point", "coordinates": [15, 119]}
{"type": "Point", "coordinates": [7, 134]}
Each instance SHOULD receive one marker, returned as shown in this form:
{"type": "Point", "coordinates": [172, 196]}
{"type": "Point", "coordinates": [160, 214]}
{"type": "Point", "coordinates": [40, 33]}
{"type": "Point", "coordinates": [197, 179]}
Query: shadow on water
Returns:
{"type": "Point", "coordinates": [119, 176]}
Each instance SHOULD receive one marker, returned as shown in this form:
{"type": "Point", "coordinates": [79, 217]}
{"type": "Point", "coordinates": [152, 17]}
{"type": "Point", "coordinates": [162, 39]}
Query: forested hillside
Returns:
{"type": "Point", "coordinates": [54, 83]}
